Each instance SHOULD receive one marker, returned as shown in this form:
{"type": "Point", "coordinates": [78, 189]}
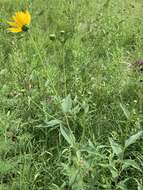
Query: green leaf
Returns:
{"type": "Point", "coordinates": [133, 139]}
{"type": "Point", "coordinates": [53, 123]}
{"type": "Point", "coordinates": [117, 149]}
{"type": "Point", "coordinates": [113, 171]}
{"type": "Point", "coordinates": [68, 135]}
{"type": "Point", "coordinates": [67, 104]}
{"type": "Point", "coordinates": [125, 111]}
{"type": "Point", "coordinates": [131, 163]}
{"type": "Point", "coordinates": [74, 174]}
{"type": "Point", "coordinates": [121, 185]}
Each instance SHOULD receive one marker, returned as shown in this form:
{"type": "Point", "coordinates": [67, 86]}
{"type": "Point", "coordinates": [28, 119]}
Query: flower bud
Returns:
{"type": "Point", "coordinates": [52, 37]}
{"type": "Point", "coordinates": [62, 32]}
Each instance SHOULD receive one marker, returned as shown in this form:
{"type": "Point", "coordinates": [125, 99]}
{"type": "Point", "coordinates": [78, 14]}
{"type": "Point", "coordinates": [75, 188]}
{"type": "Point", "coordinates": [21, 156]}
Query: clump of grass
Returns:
{"type": "Point", "coordinates": [70, 106]}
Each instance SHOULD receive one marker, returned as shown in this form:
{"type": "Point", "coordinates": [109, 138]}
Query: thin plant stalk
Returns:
{"type": "Point", "coordinates": [42, 61]}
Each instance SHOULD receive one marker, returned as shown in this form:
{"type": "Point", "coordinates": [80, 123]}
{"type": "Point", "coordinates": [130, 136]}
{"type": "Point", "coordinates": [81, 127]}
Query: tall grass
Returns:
{"type": "Point", "coordinates": [70, 98]}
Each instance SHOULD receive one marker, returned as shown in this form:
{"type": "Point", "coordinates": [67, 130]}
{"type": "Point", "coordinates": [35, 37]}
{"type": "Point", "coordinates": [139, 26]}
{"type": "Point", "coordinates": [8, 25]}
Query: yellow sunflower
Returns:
{"type": "Point", "coordinates": [20, 22]}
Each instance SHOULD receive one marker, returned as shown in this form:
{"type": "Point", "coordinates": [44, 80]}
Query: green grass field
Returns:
{"type": "Point", "coordinates": [71, 99]}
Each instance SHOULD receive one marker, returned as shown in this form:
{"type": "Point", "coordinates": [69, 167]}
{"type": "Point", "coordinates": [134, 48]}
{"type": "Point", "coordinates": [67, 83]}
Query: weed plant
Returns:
{"type": "Point", "coordinates": [71, 99]}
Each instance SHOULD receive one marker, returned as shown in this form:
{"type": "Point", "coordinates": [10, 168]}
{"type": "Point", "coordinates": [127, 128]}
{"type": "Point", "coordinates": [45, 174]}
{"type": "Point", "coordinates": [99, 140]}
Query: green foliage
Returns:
{"type": "Point", "coordinates": [133, 139]}
{"type": "Point", "coordinates": [97, 166]}
{"type": "Point", "coordinates": [71, 99]}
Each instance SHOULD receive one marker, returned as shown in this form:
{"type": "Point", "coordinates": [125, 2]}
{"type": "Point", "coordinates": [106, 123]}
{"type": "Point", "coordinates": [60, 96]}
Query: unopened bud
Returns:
{"type": "Point", "coordinates": [52, 37]}
{"type": "Point", "coordinates": [62, 32]}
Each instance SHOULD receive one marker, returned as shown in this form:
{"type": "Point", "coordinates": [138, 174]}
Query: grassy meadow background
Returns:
{"type": "Point", "coordinates": [71, 101]}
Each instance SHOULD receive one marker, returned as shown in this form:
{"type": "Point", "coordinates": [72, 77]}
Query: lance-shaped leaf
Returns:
{"type": "Point", "coordinates": [68, 135]}
{"type": "Point", "coordinates": [116, 148]}
{"type": "Point", "coordinates": [133, 139]}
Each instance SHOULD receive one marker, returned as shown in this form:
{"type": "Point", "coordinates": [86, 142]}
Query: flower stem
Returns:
{"type": "Point", "coordinates": [37, 49]}
{"type": "Point", "coordinates": [45, 68]}
{"type": "Point", "coordinates": [42, 61]}
{"type": "Point", "coordinates": [64, 69]}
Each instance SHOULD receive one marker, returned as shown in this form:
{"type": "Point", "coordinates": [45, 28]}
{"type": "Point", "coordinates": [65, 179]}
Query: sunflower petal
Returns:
{"type": "Point", "coordinates": [19, 18]}
{"type": "Point", "coordinates": [12, 24]}
{"type": "Point", "coordinates": [27, 18]}
{"type": "Point", "coordinates": [23, 18]}
{"type": "Point", "coordinates": [15, 30]}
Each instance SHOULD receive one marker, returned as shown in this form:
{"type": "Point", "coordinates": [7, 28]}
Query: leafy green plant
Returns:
{"type": "Point", "coordinates": [99, 165]}
{"type": "Point", "coordinates": [71, 110]}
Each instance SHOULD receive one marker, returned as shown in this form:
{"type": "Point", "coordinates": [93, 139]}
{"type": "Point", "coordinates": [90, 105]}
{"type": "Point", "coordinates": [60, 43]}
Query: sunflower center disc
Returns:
{"type": "Point", "coordinates": [25, 28]}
